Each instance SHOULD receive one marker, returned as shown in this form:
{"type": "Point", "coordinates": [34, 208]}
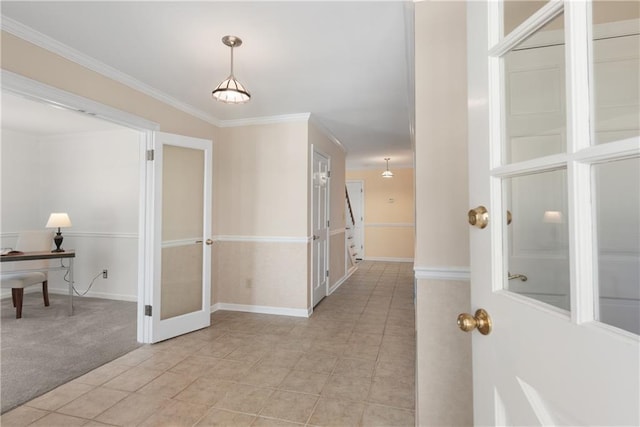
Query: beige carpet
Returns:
{"type": "Point", "coordinates": [47, 347]}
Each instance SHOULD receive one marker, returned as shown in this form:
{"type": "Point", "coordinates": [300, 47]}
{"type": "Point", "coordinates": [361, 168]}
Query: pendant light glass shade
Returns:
{"type": "Point", "coordinates": [387, 173]}
{"type": "Point", "coordinates": [231, 91]}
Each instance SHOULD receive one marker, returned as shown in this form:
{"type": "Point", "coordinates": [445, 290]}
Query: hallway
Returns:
{"type": "Point", "coordinates": [352, 363]}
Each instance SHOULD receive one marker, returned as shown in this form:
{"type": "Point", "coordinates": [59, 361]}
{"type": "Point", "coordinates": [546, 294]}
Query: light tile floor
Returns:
{"type": "Point", "coordinates": [351, 364]}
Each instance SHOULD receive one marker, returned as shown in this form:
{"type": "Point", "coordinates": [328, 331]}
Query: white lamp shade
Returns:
{"type": "Point", "coordinates": [58, 220]}
{"type": "Point", "coordinates": [231, 91]}
{"type": "Point", "coordinates": [387, 174]}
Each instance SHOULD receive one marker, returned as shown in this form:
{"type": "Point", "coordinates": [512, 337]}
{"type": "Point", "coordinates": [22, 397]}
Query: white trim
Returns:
{"type": "Point", "coordinates": [82, 234]}
{"type": "Point", "coordinates": [389, 224]}
{"type": "Point", "coordinates": [35, 90]}
{"type": "Point", "coordinates": [93, 294]}
{"type": "Point", "coordinates": [313, 120]}
{"type": "Point", "coordinates": [344, 278]}
{"type": "Point", "coordinates": [262, 239]}
{"type": "Point", "coordinates": [388, 259]}
{"type": "Point", "coordinates": [337, 231]}
{"type": "Point", "coordinates": [442, 273]}
{"type": "Point", "coordinates": [263, 309]}
{"type": "Point", "coordinates": [32, 36]}
{"type": "Point", "coordinates": [180, 242]}
{"type": "Point", "coordinates": [266, 120]}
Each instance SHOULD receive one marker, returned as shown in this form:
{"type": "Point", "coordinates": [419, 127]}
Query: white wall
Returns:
{"type": "Point", "coordinates": [94, 177]}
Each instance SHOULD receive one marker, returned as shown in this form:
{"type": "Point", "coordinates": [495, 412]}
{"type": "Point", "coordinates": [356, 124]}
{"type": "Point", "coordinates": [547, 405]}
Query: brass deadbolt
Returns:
{"type": "Point", "coordinates": [479, 217]}
{"type": "Point", "coordinates": [481, 321]}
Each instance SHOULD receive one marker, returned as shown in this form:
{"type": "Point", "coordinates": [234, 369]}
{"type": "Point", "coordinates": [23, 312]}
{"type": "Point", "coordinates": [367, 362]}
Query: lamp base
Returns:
{"type": "Point", "coordinates": [57, 239]}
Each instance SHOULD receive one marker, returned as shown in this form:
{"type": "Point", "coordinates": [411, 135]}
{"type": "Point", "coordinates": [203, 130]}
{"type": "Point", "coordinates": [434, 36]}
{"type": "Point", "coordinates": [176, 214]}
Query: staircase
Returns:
{"type": "Point", "coordinates": [351, 247]}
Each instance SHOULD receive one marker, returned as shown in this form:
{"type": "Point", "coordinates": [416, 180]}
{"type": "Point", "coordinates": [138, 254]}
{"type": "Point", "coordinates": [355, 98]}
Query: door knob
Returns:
{"type": "Point", "coordinates": [479, 217]}
{"type": "Point", "coordinates": [480, 321]}
{"type": "Point", "coordinates": [209, 242]}
{"type": "Point", "coordinates": [315, 237]}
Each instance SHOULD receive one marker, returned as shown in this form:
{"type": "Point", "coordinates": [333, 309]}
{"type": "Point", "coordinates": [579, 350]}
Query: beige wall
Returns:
{"type": "Point", "coordinates": [388, 213]}
{"type": "Point", "coordinates": [443, 360]}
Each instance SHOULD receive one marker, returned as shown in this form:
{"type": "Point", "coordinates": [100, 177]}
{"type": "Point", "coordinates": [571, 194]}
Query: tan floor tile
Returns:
{"type": "Point", "coordinates": [21, 416]}
{"type": "Point", "coordinates": [176, 414]}
{"type": "Point", "coordinates": [58, 420]}
{"type": "Point", "coordinates": [289, 406]}
{"type": "Point", "coordinates": [351, 388]}
{"type": "Point", "coordinates": [135, 357]}
{"type": "Point", "coordinates": [221, 418]}
{"type": "Point", "coordinates": [228, 370]}
{"type": "Point", "coordinates": [264, 376]}
{"type": "Point", "coordinates": [404, 368]}
{"type": "Point", "coordinates": [205, 391]}
{"type": "Point", "coordinates": [167, 385]}
{"type": "Point", "coordinates": [195, 366]}
{"type": "Point", "coordinates": [163, 361]}
{"type": "Point", "coordinates": [318, 362]}
{"type": "Point", "coordinates": [281, 358]}
{"type": "Point", "coordinates": [207, 334]}
{"type": "Point", "coordinates": [362, 351]}
{"type": "Point", "coordinates": [338, 413]}
{"type": "Point", "coordinates": [244, 398]}
{"type": "Point", "coordinates": [60, 396]}
{"type": "Point", "coordinates": [270, 422]}
{"type": "Point", "coordinates": [305, 382]}
{"type": "Point", "coordinates": [366, 339]}
{"type": "Point", "coordinates": [94, 423]}
{"type": "Point", "coordinates": [103, 374]}
{"type": "Point", "coordinates": [247, 353]}
{"type": "Point", "coordinates": [132, 410]}
{"type": "Point", "coordinates": [218, 348]}
{"type": "Point", "coordinates": [381, 416]}
{"type": "Point", "coordinates": [402, 331]}
{"type": "Point", "coordinates": [93, 403]}
{"type": "Point", "coordinates": [133, 379]}
{"type": "Point", "coordinates": [354, 367]}
{"type": "Point", "coordinates": [398, 392]}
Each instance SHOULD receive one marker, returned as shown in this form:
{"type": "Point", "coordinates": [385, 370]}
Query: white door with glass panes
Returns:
{"type": "Point", "coordinates": [320, 224]}
{"type": "Point", "coordinates": [554, 187]}
{"type": "Point", "coordinates": [180, 294]}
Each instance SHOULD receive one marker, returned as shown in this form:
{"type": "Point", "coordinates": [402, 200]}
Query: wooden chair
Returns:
{"type": "Point", "coordinates": [28, 241]}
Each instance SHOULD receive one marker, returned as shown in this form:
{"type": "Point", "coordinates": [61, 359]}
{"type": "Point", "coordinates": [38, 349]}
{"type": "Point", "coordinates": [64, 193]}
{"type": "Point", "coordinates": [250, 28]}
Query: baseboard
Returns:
{"type": "Point", "coordinates": [443, 273]}
{"type": "Point", "coordinates": [263, 309]}
{"type": "Point", "coordinates": [388, 259]}
{"type": "Point", "coordinates": [91, 294]}
{"type": "Point", "coordinates": [343, 279]}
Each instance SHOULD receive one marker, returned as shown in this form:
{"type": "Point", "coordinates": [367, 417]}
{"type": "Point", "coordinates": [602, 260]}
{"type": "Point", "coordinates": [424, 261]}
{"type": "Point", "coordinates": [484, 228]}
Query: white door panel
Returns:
{"type": "Point", "coordinates": [356, 195]}
{"type": "Point", "coordinates": [320, 212]}
{"type": "Point", "coordinates": [181, 291]}
{"type": "Point", "coordinates": [557, 353]}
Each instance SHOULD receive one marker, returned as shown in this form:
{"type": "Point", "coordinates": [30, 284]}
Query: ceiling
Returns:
{"type": "Point", "coordinates": [347, 63]}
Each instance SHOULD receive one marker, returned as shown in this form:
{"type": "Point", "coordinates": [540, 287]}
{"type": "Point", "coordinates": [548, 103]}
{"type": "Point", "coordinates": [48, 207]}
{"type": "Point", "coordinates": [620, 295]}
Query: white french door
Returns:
{"type": "Point", "coordinates": [179, 299]}
{"type": "Point", "coordinates": [320, 212]}
{"type": "Point", "coordinates": [554, 153]}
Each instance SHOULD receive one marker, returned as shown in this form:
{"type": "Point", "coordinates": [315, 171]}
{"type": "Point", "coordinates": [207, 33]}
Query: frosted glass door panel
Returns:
{"type": "Point", "coordinates": [534, 106]}
{"type": "Point", "coordinates": [182, 231]}
{"type": "Point", "coordinates": [617, 195]}
{"type": "Point", "coordinates": [538, 261]}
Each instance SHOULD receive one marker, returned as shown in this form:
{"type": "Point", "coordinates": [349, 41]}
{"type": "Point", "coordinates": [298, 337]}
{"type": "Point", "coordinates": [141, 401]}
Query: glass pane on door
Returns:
{"type": "Point", "coordinates": [515, 12]}
{"type": "Point", "coordinates": [537, 237]}
{"type": "Point", "coordinates": [617, 195]}
{"type": "Point", "coordinates": [182, 231]}
{"type": "Point", "coordinates": [534, 96]}
{"type": "Point", "coordinates": [616, 70]}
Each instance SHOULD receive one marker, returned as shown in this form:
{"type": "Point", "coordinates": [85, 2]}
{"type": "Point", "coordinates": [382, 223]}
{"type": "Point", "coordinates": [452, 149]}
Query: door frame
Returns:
{"type": "Point", "coordinates": [40, 92]}
{"type": "Point", "coordinates": [313, 150]}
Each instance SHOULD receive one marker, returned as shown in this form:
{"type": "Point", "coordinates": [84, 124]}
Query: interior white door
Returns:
{"type": "Point", "coordinates": [320, 209]}
{"type": "Point", "coordinates": [550, 358]}
{"type": "Point", "coordinates": [181, 290]}
{"type": "Point", "coordinates": [356, 195]}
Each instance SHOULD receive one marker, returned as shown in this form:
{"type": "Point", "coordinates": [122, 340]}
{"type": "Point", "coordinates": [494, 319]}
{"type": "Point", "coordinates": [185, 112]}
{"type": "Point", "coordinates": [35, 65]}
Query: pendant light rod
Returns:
{"type": "Point", "coordinates": [387, 173]}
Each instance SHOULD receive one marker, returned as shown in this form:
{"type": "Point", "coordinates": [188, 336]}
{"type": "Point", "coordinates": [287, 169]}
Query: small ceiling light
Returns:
{"type": "Point", "coordinates": [387, 173]}
{"type": "Point", "coordinates": [231, 91]}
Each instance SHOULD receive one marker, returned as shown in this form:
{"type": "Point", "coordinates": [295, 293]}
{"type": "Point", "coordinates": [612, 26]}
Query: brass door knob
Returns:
{"type": "Point", "coordinates": [481, 321]}
{"type": "Point", "coordinates": [479, 217]}
{"type": "Point", "coordinates": [209, 242]}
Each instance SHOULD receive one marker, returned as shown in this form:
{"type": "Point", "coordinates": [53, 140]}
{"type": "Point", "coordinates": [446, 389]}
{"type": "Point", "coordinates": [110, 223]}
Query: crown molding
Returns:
{"type": "Point", "coordinates": [326, 132]}
{"type": "Point", "coordinates": [266, 120]}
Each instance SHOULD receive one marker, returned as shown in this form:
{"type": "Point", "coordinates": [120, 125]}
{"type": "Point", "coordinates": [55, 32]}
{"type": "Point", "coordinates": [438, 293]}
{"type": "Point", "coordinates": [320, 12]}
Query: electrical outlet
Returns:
{"type": "Point", "coordinates": [105, 273]}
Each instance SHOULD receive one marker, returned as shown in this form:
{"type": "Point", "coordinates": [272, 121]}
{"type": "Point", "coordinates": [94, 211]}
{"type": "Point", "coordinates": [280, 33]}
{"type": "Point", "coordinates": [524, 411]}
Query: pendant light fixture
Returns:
{"type": "Point", "coordinates": [231, 91]}
{"type": "Point", "coordinates": [387, 173]}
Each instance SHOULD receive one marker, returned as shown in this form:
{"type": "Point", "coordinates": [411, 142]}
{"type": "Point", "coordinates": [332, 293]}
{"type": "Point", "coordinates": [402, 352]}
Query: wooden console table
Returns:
{"type": "Point", "coordinates": [33, 256]}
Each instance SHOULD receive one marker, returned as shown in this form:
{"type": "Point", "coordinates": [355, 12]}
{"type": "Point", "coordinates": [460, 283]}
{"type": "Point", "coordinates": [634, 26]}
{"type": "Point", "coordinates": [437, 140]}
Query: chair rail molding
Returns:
{"type": "Point", "coordinates": [442, 273]}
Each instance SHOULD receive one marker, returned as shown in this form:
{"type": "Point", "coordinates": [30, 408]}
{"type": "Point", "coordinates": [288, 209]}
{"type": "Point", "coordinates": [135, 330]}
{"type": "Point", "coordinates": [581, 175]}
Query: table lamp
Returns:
{"type": "Point", "coordinates": [58, 220]}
